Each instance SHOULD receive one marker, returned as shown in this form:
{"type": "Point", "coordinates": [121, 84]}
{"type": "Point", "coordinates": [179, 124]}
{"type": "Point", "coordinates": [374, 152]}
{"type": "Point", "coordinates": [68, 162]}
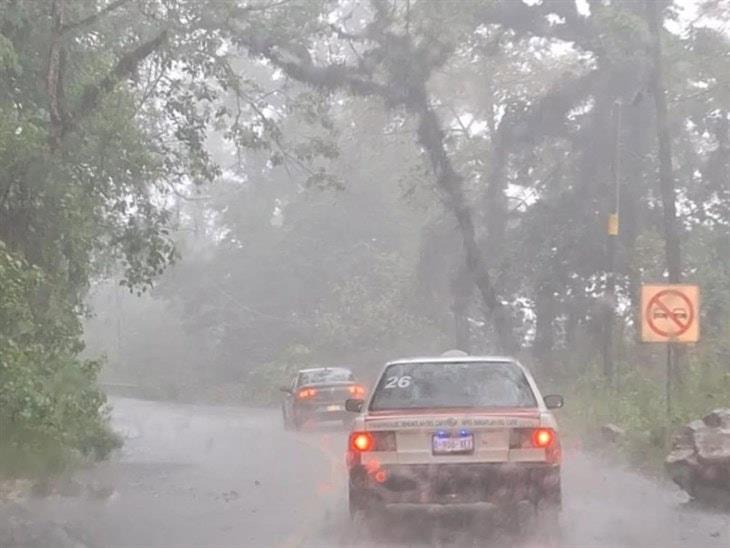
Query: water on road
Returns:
{"type": "Point", "coordinates": [204, 476]}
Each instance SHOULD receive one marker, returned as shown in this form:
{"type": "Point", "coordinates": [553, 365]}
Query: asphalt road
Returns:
{"type": "Point", "coordinates": [202, 476]}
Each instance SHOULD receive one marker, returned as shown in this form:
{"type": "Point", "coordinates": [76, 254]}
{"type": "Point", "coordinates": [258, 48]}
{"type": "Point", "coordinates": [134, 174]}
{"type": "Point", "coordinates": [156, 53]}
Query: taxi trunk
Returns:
{"type": "Point", "coordinates": [457, 458]}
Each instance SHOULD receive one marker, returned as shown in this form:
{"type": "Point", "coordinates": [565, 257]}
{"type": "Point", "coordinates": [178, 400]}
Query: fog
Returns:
{"type": "Point", "coordinates": [199, 199]}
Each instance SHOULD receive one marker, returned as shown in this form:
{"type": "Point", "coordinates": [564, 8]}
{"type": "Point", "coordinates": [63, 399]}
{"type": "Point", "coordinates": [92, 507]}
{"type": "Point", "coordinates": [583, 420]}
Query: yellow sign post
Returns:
{"type": "Point", "coordinates": [613, 224]}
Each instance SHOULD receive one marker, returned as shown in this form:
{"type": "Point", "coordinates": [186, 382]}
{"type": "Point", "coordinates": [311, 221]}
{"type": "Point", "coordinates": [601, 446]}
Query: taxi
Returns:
{"type": "Point", "coordinates": [454, 431]}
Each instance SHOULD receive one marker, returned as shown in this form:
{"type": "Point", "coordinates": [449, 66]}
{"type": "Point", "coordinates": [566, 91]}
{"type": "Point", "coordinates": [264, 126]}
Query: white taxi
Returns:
{"type": "Point", "coordinates": [454, 430]}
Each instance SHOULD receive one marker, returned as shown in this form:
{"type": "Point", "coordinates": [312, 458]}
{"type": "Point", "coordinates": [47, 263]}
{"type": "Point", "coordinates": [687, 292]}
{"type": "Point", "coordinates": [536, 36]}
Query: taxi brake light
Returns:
{"type": "Point", "coordinates": [361, 441]}
{"type": "Point", "coordinates": [542, 437]}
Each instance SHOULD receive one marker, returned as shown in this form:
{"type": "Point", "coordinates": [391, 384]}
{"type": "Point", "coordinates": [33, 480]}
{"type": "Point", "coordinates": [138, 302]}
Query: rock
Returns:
{"type": "Point", "coordinates": [713, 445]}
{"type": "Point", "coordinates": [719, 418]}
{"type": "Point", "coordinates": [100, 491]}
{"type": "Point", "coordinates": [612, 433]}
{"type": "Point", "coordinates": [699, 461]}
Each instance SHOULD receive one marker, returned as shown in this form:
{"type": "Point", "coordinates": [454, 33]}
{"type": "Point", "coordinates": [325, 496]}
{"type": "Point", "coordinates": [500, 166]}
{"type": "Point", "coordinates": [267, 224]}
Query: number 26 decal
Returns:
{"type": "Point", "coordinates": [400, 382]}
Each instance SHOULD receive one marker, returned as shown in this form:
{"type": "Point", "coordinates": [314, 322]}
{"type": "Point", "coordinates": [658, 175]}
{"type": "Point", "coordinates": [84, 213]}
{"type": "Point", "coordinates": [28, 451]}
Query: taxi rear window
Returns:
{"type": "Point", "coordinates": [439, 385]}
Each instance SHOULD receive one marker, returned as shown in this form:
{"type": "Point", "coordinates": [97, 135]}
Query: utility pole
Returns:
{"type": "Point", "coordinates": [609, 365]}
{"type": "Point", "coordinates": [655, 20]}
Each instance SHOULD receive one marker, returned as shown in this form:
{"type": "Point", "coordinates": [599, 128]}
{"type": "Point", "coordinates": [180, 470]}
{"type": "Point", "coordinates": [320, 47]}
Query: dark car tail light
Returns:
{"type": "Point", "coordinates": [306, 393]}
{"type": "Point", "coordinates": [357, 391]}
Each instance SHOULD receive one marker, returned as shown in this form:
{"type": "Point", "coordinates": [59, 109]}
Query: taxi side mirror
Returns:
{"type": "Point", "coordinates": [354, 406]}
{"type": "Point", "coordinates": [285, 389]}
{"type": "Point", "coordinates": [553, 401]}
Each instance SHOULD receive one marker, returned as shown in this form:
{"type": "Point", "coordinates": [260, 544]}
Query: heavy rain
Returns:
{"type": "Point", "coordinates": [333, 273]}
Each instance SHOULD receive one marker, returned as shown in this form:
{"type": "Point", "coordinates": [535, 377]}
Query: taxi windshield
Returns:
{"type": "Point", "coordinates": [322, 376]}
{"type": "Point", "coordinates": [451, 384]}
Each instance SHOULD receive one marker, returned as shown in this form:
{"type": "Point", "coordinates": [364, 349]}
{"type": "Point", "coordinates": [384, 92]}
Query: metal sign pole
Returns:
{"type": "Point", "coordinates": [669, 382]}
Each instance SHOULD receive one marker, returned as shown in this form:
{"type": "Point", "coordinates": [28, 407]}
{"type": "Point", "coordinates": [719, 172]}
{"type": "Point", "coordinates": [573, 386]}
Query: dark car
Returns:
{"type": "Point", "coordinates": [319, 395]}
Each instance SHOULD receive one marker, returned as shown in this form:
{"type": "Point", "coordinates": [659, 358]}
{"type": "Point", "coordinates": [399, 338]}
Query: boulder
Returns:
{"type": "Point", "coordinates": [612, 433]}
{"type": "Point", "coordinates": [699, 461]}
{"type": "Point", "coordinates": [719, 418]}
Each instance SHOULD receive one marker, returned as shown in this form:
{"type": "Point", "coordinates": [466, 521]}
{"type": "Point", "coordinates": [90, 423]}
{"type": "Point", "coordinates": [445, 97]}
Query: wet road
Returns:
{"type": "Point", "coordinates": [201, 476]}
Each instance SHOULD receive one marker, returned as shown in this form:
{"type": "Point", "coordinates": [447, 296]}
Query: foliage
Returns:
{"type": "Point", "coordinates": [390, 177]}
{"type": "Point", "coordinates": [105, 109]}
{"type": "Point", "coordinates": [49, 403]}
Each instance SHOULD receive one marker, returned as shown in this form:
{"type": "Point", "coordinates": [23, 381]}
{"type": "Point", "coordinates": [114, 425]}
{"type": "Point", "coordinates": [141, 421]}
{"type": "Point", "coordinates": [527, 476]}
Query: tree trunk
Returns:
{"type": "Point", "coordinates": [546, 311]}
{"type": "Point", "coordinates": [495, 201]}
{"type": "Point", "coordinates": [638, 143]}
{"type": "Point", "coordinates": [431, 137]}
{"type": "Point", "coordinates": [666, 175]}
{"type": "Point", "coordinates": [462, 288]}
{"type": "Point", "coordinates": [54, 76]}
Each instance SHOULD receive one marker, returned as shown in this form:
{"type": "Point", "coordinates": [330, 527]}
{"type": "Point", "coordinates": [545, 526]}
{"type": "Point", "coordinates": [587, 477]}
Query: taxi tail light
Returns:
{"type": "Point", "coordinates": [306, 393]}
{"type": "Point", "coordinates": [537, 438]}
{"type": "Point", "coordinates": [363, 442]}
{"type": "Point", "coordinates": [543, 437]}
{"type": "Point", "coordinates": [530, 438]}
{"type": "Point", "coordinates": [357, 391]}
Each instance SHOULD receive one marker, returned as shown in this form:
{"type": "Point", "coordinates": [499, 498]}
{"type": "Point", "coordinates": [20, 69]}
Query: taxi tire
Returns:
{"type": "Point", "coordinates": [368, 524]}
{"type": "Point", "coordinates": [355, 503]}
{"type": "Point", "coordinates": [547, 525]}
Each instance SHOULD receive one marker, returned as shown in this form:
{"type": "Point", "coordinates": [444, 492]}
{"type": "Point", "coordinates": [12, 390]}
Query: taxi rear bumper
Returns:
{"type": "Point", "coordinates": [500, 484]}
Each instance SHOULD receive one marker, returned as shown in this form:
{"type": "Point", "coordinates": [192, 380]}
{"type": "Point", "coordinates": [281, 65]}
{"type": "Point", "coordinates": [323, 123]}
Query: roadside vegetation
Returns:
{"type": "Point", "coordinates": [342, 182]}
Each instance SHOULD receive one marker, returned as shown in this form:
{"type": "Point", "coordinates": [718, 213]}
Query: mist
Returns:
{"type": "Point", "coordinates": [228, 227]}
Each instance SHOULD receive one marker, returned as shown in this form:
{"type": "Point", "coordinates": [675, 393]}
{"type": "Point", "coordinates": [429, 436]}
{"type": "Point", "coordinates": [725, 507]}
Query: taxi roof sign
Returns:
{"type": "Point", "coordinates": [670, 313]}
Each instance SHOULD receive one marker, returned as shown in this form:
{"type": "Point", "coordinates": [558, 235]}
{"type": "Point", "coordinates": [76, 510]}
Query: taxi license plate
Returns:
{"type": "Point", "coordinates": [334, 408]}
{"type": "Point", "coordinates": [453, 445]}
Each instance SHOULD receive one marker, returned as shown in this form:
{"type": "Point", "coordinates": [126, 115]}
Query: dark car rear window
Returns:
{"type": "Point", "coordinates": [453, 384]}
{"type": "Point", "coordinates": [322, 376]}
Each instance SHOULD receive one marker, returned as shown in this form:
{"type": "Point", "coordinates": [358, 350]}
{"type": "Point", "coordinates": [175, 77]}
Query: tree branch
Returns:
{"type": "Point", "coordinates": [94, 17]}
{"type": "Point", "coordinates": [329, 78]}
{"type": "Point", "coordinates": [259, 7]}
{"type": "Point", "coordinates": [94, 93]}
{"type": "Point", "coordinates": [532, 19]}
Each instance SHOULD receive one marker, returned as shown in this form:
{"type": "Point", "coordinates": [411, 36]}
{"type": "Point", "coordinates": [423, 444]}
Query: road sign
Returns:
{"type": "Point", "coordinates": [670, 313]}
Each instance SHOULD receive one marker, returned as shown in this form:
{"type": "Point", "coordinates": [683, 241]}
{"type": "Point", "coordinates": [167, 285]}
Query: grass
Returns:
{"type": "Point", "coordinates": [639, 406]}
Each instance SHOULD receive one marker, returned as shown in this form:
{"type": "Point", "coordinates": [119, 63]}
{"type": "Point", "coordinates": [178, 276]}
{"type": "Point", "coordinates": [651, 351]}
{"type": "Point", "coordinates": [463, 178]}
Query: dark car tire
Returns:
{"type": "Point", "coordinates": [297, 421]}
{"type": "Point", "coordinates": [285, 417]}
